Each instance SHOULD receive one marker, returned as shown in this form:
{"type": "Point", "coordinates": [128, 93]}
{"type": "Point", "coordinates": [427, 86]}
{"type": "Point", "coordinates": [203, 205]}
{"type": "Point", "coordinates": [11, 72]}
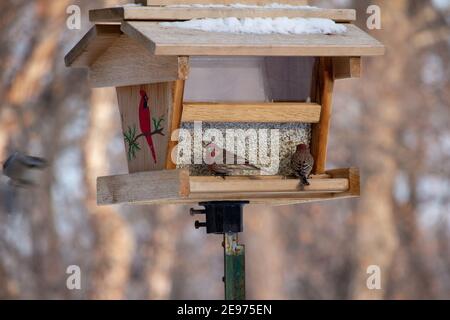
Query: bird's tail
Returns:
{"type": "Point", "coordinates": [152, 147]}
{"type": "Point", "coordinates": [304, 181]}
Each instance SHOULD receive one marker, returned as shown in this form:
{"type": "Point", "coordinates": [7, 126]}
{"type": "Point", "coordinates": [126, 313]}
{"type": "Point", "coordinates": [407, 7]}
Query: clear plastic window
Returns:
{"type": "Point", "coordinates": [249, 79]}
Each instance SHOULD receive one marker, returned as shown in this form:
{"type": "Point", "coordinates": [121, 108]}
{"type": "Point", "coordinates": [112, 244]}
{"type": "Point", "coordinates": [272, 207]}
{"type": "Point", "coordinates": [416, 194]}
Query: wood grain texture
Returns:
{"type": "Point", "coordinates": [353, 177]}
{"type": "Point", "coordinates": [320, 130]}
{"type": "Point", "coordinates": [160, 103]}
{"type": "Point", "coordinates": [92, 45]}
{"type": "Point", "coordinates": [175, 120]}
{"type": "Point", "coordinates": [127, 63]}
{"type": "Point", "coordinates": [346, 67]}
{"type": "Point", "coordinates": [256, 2]}
{"type": "Point", "coordinates": [251, 112]}
{"type": "Point", "coordinates": [164, 185]}
{"type": "Point", "coordinates": [140, 188]}
{"type": "Point", "coordinates": [237, 185]}
{"type": "Point", "coordinates": [118, 14]}
{"type": "Point", "coordinates": [175, 41]}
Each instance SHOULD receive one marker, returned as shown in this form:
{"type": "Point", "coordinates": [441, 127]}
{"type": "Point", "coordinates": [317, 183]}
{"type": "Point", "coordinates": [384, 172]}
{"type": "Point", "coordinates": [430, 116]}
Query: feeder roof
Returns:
{"type": "Point", "coordinates": [142, 23]}
{"type": "Point", "coordinates": [170, 13]}
{"type": "Point", "coordinates": [161, 40]}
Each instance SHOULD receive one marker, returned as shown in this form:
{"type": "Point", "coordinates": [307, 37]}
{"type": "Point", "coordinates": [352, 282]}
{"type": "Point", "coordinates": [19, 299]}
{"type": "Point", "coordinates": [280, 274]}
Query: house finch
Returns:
{"type": "Point", "coordinates": [20, 168]}
{"type": "Point", "coordinates": [216, 159]}
{"type": "Point", "coordinates": [302, 163]}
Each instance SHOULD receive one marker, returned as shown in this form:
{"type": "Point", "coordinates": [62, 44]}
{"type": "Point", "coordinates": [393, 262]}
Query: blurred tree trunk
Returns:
{"type": "Point", "coordinates": [265, 257]}
{"type": "Point", "coordinates": [8, 287]}
{"type": "Point", "coordinates": [162, 252]}
{"type": "Point", "coordinates": [386, 230]}
{"type": "Point", "coordinates": [29, 102]}
{"type": "Point", "coordinates": [376, 235]}
{"type": "Point", "coordinates": [113, 240]}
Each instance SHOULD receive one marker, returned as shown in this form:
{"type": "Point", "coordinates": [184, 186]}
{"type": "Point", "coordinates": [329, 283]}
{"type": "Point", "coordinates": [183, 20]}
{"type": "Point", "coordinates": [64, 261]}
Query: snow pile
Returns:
{"type": "Point", "coordinates": [128, 5]}
{"type": "Point", "coordinates": [262, 25]}
{"type": "Point", "coordinates": [243, 6]}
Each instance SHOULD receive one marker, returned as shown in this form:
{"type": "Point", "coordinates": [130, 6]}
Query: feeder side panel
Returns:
{"type": "Point", "coordinates": [144, 111]}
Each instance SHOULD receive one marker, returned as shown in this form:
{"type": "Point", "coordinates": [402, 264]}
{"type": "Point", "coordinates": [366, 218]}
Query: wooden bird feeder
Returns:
{"type": "Point", "coordinates": [129, 49]}
{"type": "Point", "coordinates": [168, 77]}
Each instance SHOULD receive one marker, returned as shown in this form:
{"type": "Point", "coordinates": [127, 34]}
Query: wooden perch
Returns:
{"type": "Point", "coordinates": [175, 186]}
{"type": "Point", "coordinates": [272, 184]}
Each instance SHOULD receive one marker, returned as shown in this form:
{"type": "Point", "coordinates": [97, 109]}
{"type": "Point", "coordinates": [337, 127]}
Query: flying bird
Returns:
{"type": "Point", "coordinates": [302, 163]}
{"type": "Point", "coordinates": [216, 160]}
{"type": "Point", "coordinates": [20, 168]}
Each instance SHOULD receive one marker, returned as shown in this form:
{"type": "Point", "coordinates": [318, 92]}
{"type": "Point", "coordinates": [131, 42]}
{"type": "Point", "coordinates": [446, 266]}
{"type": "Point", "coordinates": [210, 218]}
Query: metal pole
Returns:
{"type": "Point", "coordinates": [226, 218]}
{"type": "Point", "coordinates": [234, 259]}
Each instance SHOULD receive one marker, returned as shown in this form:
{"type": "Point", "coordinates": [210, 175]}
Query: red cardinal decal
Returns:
{"type": "Point", "coordinates": [145, 122]}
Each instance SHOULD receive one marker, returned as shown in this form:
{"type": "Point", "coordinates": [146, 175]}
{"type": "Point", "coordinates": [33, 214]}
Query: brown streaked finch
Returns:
{"type": "Point", "coordinates": [302, 163]}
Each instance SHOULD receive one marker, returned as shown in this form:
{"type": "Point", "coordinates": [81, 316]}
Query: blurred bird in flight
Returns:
{"type": "Point", "coordinates": [21, 169]}
{"type": "Point", "coordinates": [302, 163]}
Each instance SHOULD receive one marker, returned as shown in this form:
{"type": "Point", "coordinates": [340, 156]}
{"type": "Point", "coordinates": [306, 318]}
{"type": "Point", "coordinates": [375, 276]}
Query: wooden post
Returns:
{"type": "Point", "coordinates": [323, 89]}
{"type": "Point", "coordinates": [175, 121]}
{"type": "Point", "coordinates": [346, 67]}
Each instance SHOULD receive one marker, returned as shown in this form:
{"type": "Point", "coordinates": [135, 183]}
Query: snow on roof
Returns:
{"type": "Point", "coordinates": [244, 6]}
{"type": "Point", "coordinates": [126, 5]}
{"type": "Point", "coordinates": [281, 25]}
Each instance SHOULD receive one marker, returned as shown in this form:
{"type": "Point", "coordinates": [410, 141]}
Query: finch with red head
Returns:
{"type": "Point", "coordinates": [217, 159]}
{"type": "Point", "coordinates": [302, 163]}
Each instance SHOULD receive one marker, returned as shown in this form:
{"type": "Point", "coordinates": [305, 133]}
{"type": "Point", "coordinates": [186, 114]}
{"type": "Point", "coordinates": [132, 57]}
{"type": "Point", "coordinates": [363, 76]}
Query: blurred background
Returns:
{"type": "Point", "coordinates": [392, 123]}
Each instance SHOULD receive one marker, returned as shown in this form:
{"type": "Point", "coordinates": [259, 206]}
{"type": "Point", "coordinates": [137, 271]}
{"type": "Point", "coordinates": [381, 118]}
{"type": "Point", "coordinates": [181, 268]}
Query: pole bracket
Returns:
{"type": "Point", "coordinates": [226, 217]}
{"type": "Point", "coordinates": [221, 216]}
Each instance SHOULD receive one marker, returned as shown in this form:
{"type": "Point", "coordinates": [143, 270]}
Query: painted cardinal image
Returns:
{"type": "Point", "coordinates": [145, 122]}
{"type": "Point", "coordinates": [219, 167]}
{"type": "Point", "coordinates": [302, 163]}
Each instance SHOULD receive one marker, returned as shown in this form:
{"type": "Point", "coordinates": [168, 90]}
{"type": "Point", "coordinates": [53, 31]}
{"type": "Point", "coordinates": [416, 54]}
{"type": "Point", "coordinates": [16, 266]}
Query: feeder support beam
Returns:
{"type": "Point", "coordinates": [346, 67]}
{"type": "Point", "coordinates": [323, 93]}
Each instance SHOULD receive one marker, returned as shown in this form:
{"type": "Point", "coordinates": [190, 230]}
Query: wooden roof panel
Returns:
{"type": "Point", "coordinates": [255, 2]}
{"type": "Point", "coordinates": [173, 13]}
{"type": "Point", "coordinates": [92, 45]}
{"type": "Point", "coordinates": [185, 42]}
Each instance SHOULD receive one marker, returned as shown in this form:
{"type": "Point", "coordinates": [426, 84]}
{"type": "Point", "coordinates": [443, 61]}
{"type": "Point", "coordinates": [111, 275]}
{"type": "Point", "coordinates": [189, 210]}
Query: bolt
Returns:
{"type": "Point", "coordinates": [199, 224]}
{"type": "Point", "coordinates": [193, 211]}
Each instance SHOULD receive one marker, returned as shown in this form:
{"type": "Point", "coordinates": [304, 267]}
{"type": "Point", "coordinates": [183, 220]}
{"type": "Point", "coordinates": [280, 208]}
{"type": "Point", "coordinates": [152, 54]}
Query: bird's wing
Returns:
{"type": "Point", "coordinates": [33, 162]}
{"type": "Point", "coordinates": [237, 161]}
{"type": "Point", "coordinates": [9, 162]}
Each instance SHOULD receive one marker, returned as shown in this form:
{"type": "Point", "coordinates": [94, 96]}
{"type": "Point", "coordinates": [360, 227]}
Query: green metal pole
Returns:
{"type": "Point", "coordinates": [234, 267]}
